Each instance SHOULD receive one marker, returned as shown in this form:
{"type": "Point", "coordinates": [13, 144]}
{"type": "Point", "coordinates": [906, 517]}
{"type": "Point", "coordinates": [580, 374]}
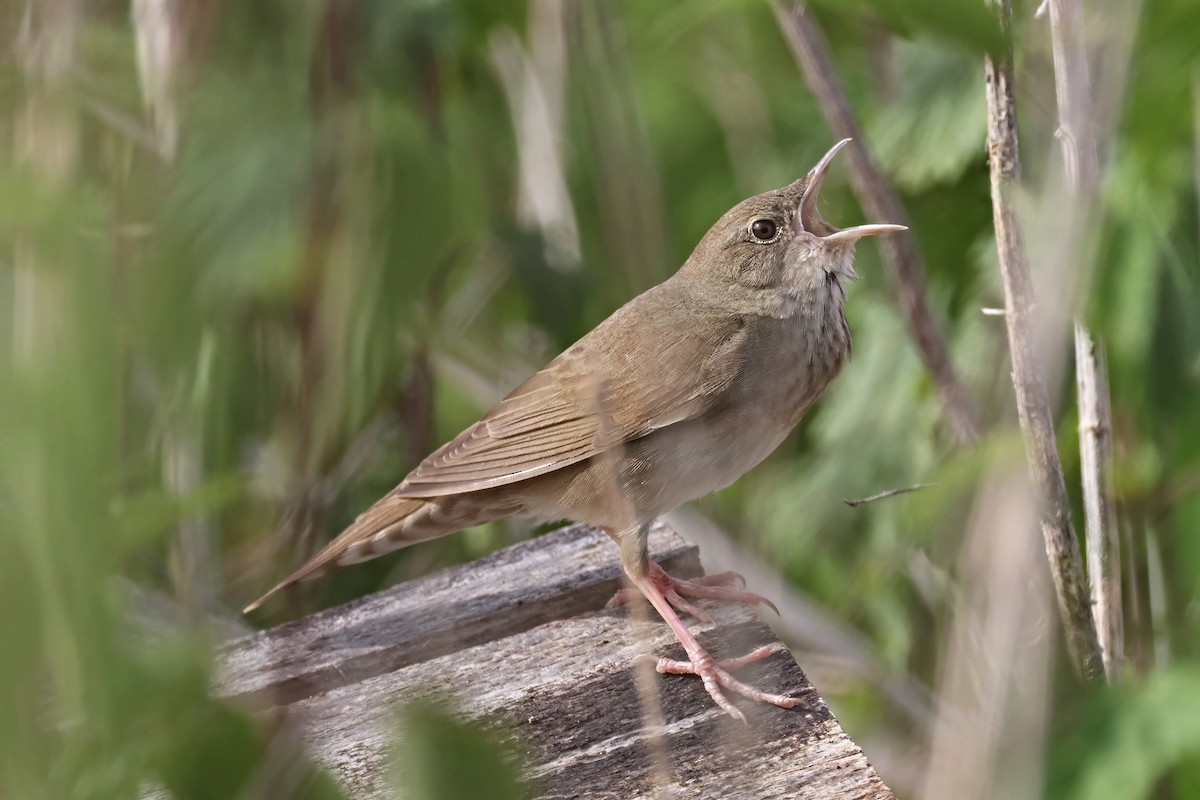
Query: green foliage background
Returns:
{"type": "Point", "coordinates": [212, 361]}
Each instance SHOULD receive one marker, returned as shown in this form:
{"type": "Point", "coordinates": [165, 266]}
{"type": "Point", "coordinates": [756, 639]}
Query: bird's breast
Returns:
{"type": "Point", "coordinates": [787, 367]}
{"type": "Point", "coordinates": [800, 355]}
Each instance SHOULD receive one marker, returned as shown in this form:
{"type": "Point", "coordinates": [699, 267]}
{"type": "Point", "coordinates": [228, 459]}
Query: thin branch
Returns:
{"type": "Point", "coordinates": [535, 101]}
{"type": "Point", "coordinates": [1074, 92]}
{"type": "Point", "coordinates": [1156, 595]}
{"type": "Point", "coordinates": [1133, 537]}
{"type": "Point", "coordinates": [811, 52]}
{"type": "Point", "coordinates": [1033, 403]}
{"type": "Point", "coordinates": [155, 26]}
{"type": "Point", "coordinates": [129, 127]}
{"type": "Point", "coordinates": [1095, 457]}
{"type": "Point", "coordinates": [907, 272]}
{"type": "Point", "coordinates": [1196, 135]}
{"type": "Point", "coordinates": [862, 501]}
{"type": "Point", "coordinates": [993, 686]}
{"type": "Point", "coordinates": [330, 82]}
{"type": "Point", "coordinates": [1077, 135]}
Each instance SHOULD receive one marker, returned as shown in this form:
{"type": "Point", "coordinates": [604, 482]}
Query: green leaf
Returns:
{"type": "Point", "coordinates": [442, 759]}
{"type": "Point", "coordinates": [934, 130]}
{"type": "Point", "coordinates": [1122, 748]}
{"type": "Point", "coordinates": [966, 23]}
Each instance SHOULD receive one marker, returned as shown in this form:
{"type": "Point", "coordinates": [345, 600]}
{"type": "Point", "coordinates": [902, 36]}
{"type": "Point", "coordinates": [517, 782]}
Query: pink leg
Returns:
{"type": "Point", "coordinates": [714, 674]}
{"type": "Point", "coordinates": [714, 587]}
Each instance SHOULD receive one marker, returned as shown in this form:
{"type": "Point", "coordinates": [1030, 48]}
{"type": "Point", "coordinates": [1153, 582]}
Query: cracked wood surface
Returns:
{"type": "Point", "coordinates": [520, 644]}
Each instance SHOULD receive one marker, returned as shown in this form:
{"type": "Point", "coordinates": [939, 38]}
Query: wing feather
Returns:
{"type": "Point", "coordinates": [568, 412]}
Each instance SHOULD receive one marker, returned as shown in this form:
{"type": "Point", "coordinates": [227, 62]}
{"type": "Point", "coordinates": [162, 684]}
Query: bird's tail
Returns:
{"type": "Point", "coordinates": [392, 523]}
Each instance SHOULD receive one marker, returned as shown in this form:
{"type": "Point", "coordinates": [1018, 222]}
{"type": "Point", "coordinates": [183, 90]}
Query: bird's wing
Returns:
{"type": "Point", "coordinates": [603, 391]}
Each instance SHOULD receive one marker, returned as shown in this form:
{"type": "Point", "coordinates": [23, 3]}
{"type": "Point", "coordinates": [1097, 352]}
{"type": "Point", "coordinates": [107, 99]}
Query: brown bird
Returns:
{"type": "Point", "coordinates": [675, 395]}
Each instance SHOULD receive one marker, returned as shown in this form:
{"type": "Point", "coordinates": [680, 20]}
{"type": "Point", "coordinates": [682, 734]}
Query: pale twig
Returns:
{"type": "Point", "coordinates": [629, 200]}
{"type": "Point", "coordinates": [862, 501]}
{"type": "Point", "coordinates": [129, 127]}
{"type": "Point", "coordinates": [155, 33]}
{"type": "Point", "coordinates": [1095, 463]}
{"type": "Point", "coordinates": [1156, 595]}
{"type": "Point", "coordinates": [1076, 134]}
{"type": "Point", "coordinates": [1033, 402]}
{"type": "Point", "coordinates": [907, 272]}
{"type": "Point", "coordinates": [1133, 535]}
{"type": "Point", "coordinates": [993, 683]}
{"type": "Point", "coordinates": [1074, 93]}
{"type": "Point", "coordinates": [534, 102]}
{"type": "Point", "coordinates": [1196, 135]}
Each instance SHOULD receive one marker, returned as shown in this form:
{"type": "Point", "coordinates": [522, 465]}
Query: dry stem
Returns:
{"type": "Point", "coordinates": [1033, 404]}
{"type": "Point", "coordinates": [1074, 92]}
{"type": "Point", "coordinates": [811, 52]}
{"type": "Point", "coordinates": [862, 501]}
{"type": "Point", "coordinates": [1077, 135]}
{"type": "Point", "coordinates": [1095, 453]}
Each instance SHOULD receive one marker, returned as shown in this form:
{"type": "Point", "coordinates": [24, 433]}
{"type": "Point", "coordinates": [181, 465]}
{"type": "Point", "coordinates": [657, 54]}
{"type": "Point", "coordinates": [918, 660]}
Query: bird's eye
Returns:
{"type": "Point", "coordinates": [764, 230]}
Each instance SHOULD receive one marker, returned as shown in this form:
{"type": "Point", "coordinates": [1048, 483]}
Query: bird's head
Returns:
{"type": "Point", "coordinates": [777, 242]}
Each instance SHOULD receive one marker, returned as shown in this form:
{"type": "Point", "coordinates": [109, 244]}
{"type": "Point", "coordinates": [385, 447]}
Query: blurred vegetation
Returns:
{"type": "Point", "coordinates": [243, 292]}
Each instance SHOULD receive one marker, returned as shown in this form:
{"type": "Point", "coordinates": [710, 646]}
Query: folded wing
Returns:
{"type": "Point", "coordinates": [591, 398]}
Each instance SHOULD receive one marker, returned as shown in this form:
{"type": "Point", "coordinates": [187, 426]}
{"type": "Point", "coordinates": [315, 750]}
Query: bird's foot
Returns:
{"type": "Point", "coordinates": [715, 675]}
{"type": "Point", "coordinates": [667, 594]}
{"type": "Point", "coordinates": [676, 590]}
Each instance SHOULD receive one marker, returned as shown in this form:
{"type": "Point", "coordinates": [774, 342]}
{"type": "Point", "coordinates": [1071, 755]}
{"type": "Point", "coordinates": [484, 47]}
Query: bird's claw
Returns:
{"type": "Point", "coordinates": [715, 676]}
{"type": "Point", "coordinates": [676, 590]}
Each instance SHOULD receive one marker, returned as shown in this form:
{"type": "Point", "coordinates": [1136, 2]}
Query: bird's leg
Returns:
{"type": "Point", "coordinates": [714, 673]}
{"type": "Point", "coordinates": [716, 587]}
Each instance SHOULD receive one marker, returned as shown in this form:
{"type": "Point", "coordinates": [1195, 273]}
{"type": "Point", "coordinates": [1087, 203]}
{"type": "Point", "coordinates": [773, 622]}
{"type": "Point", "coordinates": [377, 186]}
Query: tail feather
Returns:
{"type": "Point", "coordinates": [391, 524]}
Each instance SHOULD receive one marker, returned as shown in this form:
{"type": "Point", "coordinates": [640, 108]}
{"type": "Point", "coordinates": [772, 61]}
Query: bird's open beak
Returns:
{"type": "Point", "coordinates": [810, 219]}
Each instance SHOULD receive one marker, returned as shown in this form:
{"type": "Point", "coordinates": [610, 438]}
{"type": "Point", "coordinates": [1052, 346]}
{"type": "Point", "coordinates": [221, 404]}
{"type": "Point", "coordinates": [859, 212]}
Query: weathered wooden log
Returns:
{"type": "Point", "coordinates": [519, 643]}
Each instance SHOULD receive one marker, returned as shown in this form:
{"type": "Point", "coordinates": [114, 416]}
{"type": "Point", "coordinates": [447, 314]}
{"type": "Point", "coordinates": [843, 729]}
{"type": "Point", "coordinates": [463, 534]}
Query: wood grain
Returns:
{"type": "Point", "coordinates": [519, 644]}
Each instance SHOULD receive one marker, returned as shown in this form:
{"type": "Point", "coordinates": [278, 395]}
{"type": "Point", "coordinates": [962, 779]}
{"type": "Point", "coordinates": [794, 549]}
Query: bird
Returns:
{"type": "Point", "coordinates": [675, 395]}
